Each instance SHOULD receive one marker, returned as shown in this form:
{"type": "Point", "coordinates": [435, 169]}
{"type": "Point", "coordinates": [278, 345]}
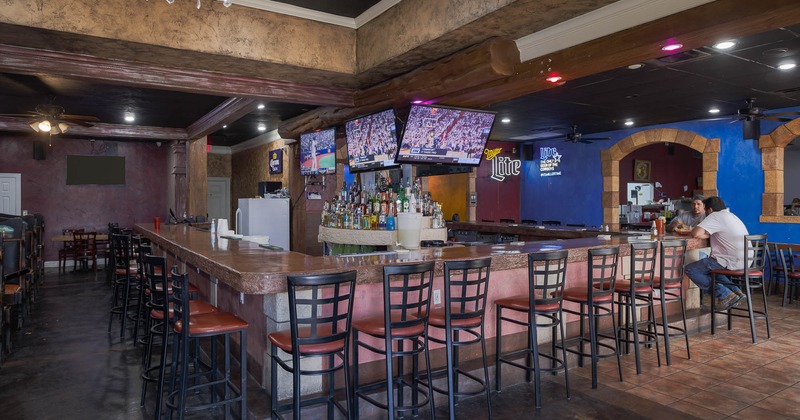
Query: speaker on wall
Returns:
{"type": "Point", "coordinates": [39, 149]}
{"type": "Point", "coordinates": [527, 151]}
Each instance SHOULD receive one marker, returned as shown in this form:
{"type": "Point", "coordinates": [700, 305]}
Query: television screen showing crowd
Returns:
{"type": "Point", "coordinates": [371, 141]}
{"type": "Point", "coordinates": [445, 135]}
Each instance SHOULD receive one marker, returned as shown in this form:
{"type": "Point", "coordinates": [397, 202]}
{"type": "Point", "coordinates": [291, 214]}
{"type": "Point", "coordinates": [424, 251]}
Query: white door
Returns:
{"type": "Point", "coordinates": [219, 198]}
{"type": "Point", "coordinates": [11, 194]}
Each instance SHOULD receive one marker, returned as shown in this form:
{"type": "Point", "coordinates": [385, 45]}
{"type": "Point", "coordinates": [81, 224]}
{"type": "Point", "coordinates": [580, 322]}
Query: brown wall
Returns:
{"type": "Point", "coordinates": [44, 188]}
{"type": "Point", "coordinates": [451, 192]}
{"type": "Point", "coordinates": [219, 165]}
{"type": "Point", "coordinates": [197, 177]}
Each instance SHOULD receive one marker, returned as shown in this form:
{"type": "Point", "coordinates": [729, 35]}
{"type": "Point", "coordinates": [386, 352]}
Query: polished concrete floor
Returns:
{"type": "Point", "coordinates": [66, 366]}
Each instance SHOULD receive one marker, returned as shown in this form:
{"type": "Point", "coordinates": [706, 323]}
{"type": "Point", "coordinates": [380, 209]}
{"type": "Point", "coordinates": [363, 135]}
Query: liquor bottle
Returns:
{"type": "Point", "coordinates": [412, 202]}
{"type": "Point", "coordinates": [384, 203]}
{"type": "Point", "coordinates": [406, 202]}
{"type": "Point", "coordinates": [653, 231]}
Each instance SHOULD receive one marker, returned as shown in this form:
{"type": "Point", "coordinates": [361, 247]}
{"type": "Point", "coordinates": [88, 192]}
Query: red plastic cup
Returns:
{"type": "Point", "coordinates": [157, 223]}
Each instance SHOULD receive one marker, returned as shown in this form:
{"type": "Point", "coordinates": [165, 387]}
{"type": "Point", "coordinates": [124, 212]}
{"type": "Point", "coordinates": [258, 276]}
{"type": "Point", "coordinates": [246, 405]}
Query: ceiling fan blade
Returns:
{"type": "Point", "coordinates": [781, 119]}
{"type": "Point", "coordinates": [596, 138]}
{"type": "Point", "coordinates": [79, 117]}
{"type": "Point", "coordinates": [30, 115]}
{"type": "Point", "coordinates": [549, 138]}
{"type": "Point", "coordinates": [77, 122]}
{"type": "Point", "coordinates": [586, 141]}
{"type": "Point", "coordinates": [780, 114]}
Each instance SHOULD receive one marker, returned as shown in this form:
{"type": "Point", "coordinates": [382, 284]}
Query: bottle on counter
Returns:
{"type": "Point", "coordinates": [653, 231]}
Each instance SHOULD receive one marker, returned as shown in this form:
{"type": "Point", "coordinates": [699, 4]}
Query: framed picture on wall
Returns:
{"type": "Point", "coordinates": [275, 161]}
{"type": "Point", "coordinates": [641, 170]}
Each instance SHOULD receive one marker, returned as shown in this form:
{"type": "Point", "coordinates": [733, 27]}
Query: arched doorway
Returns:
{"type": "Point", "coordinates": [772, 147]}
{"type": "Point", "coordinates": [610, 163]}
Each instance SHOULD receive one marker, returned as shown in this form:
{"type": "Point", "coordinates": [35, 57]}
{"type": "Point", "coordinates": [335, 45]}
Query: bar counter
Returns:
{"type": "Point", "coordinates": [529, 232]}
{"type": "Point", "coordinates": [240, 277]}
{"type": "Point", "coordinates": [250, 269]}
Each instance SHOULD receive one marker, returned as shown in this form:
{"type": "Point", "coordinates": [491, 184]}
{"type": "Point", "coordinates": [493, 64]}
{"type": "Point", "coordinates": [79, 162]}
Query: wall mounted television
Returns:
{"type": "Point", "coordinates": [371, 141]}
{"type": "Point", "coordinates": [102, 170]}
{"type": "Point", "coordinates": [442, 135]}
{"type": "Point", "coordinates": [318, 152]}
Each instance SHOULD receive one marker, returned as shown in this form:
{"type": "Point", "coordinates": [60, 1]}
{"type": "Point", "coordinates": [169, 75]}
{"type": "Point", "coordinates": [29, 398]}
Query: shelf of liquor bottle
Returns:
{"type": "Point", "coordinates": [374, 237]}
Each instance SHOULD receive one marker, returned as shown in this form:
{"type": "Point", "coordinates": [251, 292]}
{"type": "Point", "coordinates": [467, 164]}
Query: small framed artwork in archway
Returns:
{"type": "Point", "coordinates": [641, 170]}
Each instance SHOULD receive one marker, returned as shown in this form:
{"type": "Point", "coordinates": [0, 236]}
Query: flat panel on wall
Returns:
{"type": "Point", "coordinates": [103, 170]}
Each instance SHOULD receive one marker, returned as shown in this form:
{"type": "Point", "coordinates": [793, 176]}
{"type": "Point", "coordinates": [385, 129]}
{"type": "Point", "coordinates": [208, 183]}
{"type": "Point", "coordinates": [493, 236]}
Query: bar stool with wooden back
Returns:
{"type": "Point", "coordinates": [406, 305]}
{"type": "Point", "coordinates": [750, 278]}
{"type": "Point", "coordinates": [635, 294]}
{"type": "Point", "coordinates": [465, 286]}
{"type": "Point", "coordinates": [669, 285]}
{"type": "Point", "coordinates": [596, 300]}
{"type": "Point", "coordinates": [542, 309]}
{"type": "Point", "coordinates": [320, 309]}
{"type": "Point", "coordinates": [213, 325]}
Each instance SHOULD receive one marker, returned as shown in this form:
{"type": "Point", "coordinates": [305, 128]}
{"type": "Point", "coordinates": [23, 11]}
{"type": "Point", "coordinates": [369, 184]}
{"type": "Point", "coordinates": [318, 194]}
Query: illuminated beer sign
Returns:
{"type": "Point", "coordinates": [502, 166]}
{"type": "Point", "coordinates": [549, 161]}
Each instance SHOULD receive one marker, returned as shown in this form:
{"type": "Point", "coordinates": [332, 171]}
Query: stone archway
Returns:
{"type": "Point", "coordinates": [772, 146]}
{"type": "Point", "coordinates": [610, 158]}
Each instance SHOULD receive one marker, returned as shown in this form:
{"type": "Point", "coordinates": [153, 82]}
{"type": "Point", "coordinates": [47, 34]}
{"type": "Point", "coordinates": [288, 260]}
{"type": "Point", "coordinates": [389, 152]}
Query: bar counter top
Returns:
{"type": "Point", "coordinates": [551, 232]}
{"type": "Point", "coordinates": [250, 269]}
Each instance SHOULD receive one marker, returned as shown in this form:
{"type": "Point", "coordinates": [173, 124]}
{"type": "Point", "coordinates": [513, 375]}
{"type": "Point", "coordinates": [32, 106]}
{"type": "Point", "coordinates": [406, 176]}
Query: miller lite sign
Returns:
{"type": "Point", "coordinates": [502, 166]}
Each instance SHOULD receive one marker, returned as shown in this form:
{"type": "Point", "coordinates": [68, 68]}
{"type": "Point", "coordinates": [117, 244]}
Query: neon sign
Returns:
{"type": "Point", "coordinates": [502, 166]}
{"type": "Point", "coordinates": [549, 161]}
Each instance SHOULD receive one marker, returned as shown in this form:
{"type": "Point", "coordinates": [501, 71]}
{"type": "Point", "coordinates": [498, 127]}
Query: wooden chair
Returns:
{"type": "Point", "coordinates": [67, 251]}
{"type": "Point", "coordinates": [85, 246]}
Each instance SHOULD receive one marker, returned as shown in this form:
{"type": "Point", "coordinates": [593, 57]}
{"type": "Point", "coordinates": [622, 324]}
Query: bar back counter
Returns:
{"type": "Point", "coordinates": [250, 281]}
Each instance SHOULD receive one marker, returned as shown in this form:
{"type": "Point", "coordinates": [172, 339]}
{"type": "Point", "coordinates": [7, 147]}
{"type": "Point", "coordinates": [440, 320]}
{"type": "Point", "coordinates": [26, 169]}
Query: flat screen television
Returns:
{"type": "Point", "coordinates": [441, 135]}
{"type": "Point", "coordinates": [100, 170]}
{"type": "Point", "coordinates": [371, 141]}
{"type": "Point", "coordinates": [318, 152]}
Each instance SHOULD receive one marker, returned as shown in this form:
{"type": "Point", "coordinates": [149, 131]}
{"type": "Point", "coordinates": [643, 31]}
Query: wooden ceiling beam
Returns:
{"type": "Point", "coordinates": [226, 113]}
{"type": "Point", "coordinates": [103, 130]}
{"type": "Point", "coordinates": [14, 59]}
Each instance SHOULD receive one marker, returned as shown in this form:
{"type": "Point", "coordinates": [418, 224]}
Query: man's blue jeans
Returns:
{"type": "Point", "coordinates": [698, 271]}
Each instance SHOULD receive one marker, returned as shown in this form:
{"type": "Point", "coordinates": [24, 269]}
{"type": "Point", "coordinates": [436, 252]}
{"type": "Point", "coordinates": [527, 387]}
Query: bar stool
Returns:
{"type": "Point", "coordinates": [158, 325]}
{"type": "Point", "coordinates": [465, 287]}
{"type": "Point", "coordinates": [546, 278]}
{"type": "Point", "coordinates": [123, 279]}
{"type": "Point", "coordinates": [209, 325]}
{"type": "Point", "coordinates": [406, 305]}
{"type": "Point", "coordinates": [635, 294]}
{"type": "Point", "coordinates": [319, 327]}
{"type": "Point", "coordinates": [669, 284]}
{"type": "Point", "coordinates": [596, 300]}
{"type": "Point", "coordinates": [789, 269]}
{"type": "Point", "coordinates": [749, 279]}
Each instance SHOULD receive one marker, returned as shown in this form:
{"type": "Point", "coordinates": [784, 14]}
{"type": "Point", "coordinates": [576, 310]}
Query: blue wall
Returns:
{"type": "Point", "coordinates": [575, 196]}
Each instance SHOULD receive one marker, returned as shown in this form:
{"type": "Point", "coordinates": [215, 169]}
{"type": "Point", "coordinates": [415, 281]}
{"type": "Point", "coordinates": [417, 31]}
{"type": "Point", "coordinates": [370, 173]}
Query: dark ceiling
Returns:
{"type": "Point", "coordinates": [677, 87]}
{"type": "Point", "coordinates": [346, 8]}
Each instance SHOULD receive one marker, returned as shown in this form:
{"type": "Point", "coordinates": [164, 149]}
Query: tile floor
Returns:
{"type": "Point", "coordinates": [66, 366]}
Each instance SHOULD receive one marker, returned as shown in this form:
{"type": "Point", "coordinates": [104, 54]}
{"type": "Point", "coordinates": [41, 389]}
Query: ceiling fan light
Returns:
{"type": "Point", "coordinates": [44, 126]}
{"type": "Point", "coordinates": [63, 127]}
{"type": "Point", "coordinates": [54, 129]}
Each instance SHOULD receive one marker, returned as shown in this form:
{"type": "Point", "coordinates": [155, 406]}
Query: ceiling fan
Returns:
{"type": "Point", "coordinates": [751, 117]}
{"type": "Point", "coordinates": [574, 136]}
{"type": "Point", "coordinates": [50, 118]}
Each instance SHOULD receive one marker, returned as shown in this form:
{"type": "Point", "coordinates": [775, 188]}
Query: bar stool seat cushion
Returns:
{"type": "Point", "coordinates": [12, 289]}
{"type": "Point", "coordinates": [196, 307]}
{"type": "Point", "coordinates": [192, 289]}
{"type": "Point", "coordinates": [374, 326]}
{"type": "Point", "coordinates": [581, 294]}
{"type": "Point", "coordinates": [737, 273]}
{"type": "Point", "coordinates": [213, 323]}
{"type": "Point", "coordinates": [623, 286]}
{"type": "Point", "coordinates": [522, 303]}
{"type": "Point", "coordinates": [283, 339]}
{"type": "Point", "coordinates": [437, 318]}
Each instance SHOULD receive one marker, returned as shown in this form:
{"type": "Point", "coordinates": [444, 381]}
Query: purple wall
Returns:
{"type": "Point", "coordinates": [44, 188]}
{"type": "Point", "coordinates": [673, 171]}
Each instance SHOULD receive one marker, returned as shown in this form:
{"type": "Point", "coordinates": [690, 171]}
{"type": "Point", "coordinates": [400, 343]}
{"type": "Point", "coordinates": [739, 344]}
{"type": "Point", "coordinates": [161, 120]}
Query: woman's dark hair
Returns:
{"type": "Point", "coordinates": [714, 203]}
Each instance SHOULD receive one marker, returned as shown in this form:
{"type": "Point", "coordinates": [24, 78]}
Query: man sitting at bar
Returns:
{"type": "Point", "coordinates": [689, 219]}
{"type": "Point", "coordinates": [727, 252]}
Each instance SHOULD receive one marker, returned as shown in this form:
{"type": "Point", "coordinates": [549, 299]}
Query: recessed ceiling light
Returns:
{"type": "Point", "coordinates": [724, 45]}
{"type": "Point", "coordinates": [787, 66]}
{"type": "Point", "coordinates": [260, 106]}
{"type": "Point", "coordinates": [130, 117]}
{"type": "Point", "coordinates": [629, 123]}
{"type": "Point", "coordinates": [417, 102]}
{"type": "Point", "coordinates": [506, 120]}
{"type": "Point", "coordinates": [225, 126]}
{"type": "Point", "coordinates": [672, 47]}
{"type": "Point", "coordinates": [262, 127]}
{"type": "Point", "coordinates": [714, 111]}
{"type": "Point", "coordinates": [636, 66]}
{"type": "Point", "coordinates": [553, 78]}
